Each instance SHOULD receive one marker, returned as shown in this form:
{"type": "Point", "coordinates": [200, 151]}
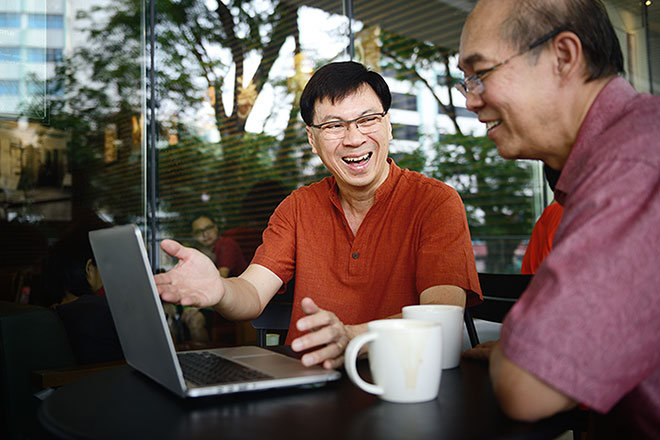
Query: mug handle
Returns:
{"type": "Point", "coordinates": [350, 359]}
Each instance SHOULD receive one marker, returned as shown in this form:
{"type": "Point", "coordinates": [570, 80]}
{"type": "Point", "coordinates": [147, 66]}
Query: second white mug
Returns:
{"type": "Point", "coordinates": [451, 319]}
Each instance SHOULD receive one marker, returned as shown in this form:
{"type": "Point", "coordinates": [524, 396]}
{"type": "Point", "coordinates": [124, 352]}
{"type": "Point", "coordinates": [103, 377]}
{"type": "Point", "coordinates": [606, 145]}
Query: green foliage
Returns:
{"type": "Point", "coordinates": [496, 193]}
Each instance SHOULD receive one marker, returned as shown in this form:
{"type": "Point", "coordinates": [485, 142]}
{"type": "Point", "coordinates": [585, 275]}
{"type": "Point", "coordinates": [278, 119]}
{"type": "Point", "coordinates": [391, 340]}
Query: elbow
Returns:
{"type": "Point", "coordinates": [516, 407]}
{"type": "Point", "coordinates": [521, 395]}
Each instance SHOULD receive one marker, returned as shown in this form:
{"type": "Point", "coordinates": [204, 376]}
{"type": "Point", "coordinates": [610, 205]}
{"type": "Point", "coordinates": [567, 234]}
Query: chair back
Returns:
{"type": "Point", "coordinates": [500, 292]}
{"type": "Point", "coordinates": [276, 316]}
{"type": "Point", "coordinates": [274, 319]}
{"type": "Point", "coordinates": [32, 338]}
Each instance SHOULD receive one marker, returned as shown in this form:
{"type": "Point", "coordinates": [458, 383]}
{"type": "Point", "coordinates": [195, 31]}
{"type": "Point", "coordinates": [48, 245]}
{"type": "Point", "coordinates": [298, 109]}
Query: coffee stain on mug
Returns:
{"type": "Point", "coordinates": [411, 353]}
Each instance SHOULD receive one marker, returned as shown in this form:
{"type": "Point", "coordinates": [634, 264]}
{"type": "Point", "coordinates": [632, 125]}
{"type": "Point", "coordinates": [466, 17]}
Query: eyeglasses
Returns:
{"type": "Point", "coordinates": [337, 129]}
{"type": "Point", "coordinates": [199, 232]}
{"type": "Point", "coordinates": [474, 83]}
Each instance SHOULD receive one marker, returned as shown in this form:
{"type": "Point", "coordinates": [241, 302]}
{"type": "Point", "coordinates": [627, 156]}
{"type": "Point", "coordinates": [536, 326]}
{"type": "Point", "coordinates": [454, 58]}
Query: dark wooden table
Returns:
{"type": "Point", "coordinates": [121, 403]}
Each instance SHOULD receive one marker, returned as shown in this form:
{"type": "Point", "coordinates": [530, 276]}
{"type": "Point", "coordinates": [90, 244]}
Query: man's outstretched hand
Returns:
{"type": "Point", "coordinates": [194, 281]}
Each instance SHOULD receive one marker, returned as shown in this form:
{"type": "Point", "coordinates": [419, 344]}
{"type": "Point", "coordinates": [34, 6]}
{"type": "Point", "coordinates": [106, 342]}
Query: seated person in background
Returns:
{"type": "Point", "coordinates": [540, 243]}
{"type": "Point", "coordinates": [545, 77]}
{"type": "Point", "coordinates": [72, 285]}
{"type": "Point", "coordinates": [361, 243]}
{"type": "Point", "coordinates": [223, 251]}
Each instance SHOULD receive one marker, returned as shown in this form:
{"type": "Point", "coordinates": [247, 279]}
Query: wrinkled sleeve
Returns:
{"type": "Point", "coordinates": [278, 250]}
{"type": "Point", "coordinates": [445, 255]}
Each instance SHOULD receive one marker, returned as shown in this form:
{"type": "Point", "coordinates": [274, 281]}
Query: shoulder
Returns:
{"type": "Point", "coordinates": [421, 187]}
{"type": "Point", "coordinates": [316, 191]}
{"type": "Point", "coordinates": [633, 135]}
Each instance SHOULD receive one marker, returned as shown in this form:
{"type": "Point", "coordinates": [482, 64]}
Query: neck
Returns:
{"type": "Point", "coordinates": [582, 100]}
{"type": "Point", "coordinates": [356, 201]}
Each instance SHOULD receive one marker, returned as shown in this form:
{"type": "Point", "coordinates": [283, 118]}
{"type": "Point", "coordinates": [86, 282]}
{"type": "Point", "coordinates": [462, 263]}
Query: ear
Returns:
{"type": "Point", "coordinates": [568, 53]}
{"type": "Point", "coordinates": [389, 126]}
{"type": "Point", "coordinates": [89, 267]}
{"type": "Point", "coordinates": [311, 140]}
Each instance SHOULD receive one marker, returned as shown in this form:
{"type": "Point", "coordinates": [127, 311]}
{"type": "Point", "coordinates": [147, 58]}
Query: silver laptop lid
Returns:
{"type": "Point", "coordinates": [136, 308]}
{"type": "Point", "coordinates": [144, 334]}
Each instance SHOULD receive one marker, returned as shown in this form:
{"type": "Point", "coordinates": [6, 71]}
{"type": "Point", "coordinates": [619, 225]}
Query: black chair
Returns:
{"type": "Point", "coordinates": [500, 292]}
{"type": "Point", "coordinates": [276, 317]}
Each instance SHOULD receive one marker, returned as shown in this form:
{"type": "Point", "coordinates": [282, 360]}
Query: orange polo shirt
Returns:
{"type": "Point", "coordinates": [415, 236]}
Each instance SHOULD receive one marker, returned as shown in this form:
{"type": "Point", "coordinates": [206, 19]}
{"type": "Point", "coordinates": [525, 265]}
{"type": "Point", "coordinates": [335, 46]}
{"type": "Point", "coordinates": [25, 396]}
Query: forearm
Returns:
{"type": "Point", "coordinates": [449, 295]}
{"type": "Point", "coordinates": [246, 296]}
{"type": "Point", "coordinates": [520, 394]}
{"type": "Point", "coordinates": [240, 301]}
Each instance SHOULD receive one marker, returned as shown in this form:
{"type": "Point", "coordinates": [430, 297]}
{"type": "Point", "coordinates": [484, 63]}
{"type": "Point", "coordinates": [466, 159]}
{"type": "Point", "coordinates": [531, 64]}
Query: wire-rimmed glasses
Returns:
{"type": "Point", "coordinates": [474, 83]}
{"type": "Point", "coordinates": [337, 129]}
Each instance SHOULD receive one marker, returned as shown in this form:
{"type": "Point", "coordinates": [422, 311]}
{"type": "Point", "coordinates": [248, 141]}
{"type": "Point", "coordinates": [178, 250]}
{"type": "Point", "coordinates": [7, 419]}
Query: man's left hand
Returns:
{"type": "Point", "coordinates": [326, 331]}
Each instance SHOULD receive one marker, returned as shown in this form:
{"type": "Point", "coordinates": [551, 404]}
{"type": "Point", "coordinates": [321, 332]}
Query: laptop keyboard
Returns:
{"type": "Point", "coordinates": [205, 368]}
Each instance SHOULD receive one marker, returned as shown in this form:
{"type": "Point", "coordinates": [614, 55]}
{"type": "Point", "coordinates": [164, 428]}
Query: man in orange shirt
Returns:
{"type": "Point", "coordinates": [540, 243]}
{"type": "Point", "coordinates": [362, 243]}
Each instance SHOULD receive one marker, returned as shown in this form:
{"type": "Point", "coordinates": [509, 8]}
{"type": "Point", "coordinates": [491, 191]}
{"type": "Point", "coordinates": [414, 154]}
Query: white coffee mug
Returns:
{"type": "Point", "coordinates": [405, 358]}
{"type": "Point", "coordinates": [451, 319]}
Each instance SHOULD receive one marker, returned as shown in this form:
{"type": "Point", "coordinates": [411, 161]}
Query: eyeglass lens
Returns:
{"type": "Point", "coordinates": [365, 125]}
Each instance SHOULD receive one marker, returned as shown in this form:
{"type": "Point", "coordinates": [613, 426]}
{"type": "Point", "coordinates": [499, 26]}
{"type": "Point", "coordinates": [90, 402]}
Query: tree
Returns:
{"type": "Point", "coordinates": [495, 192]}
{"type": "Point", "coordinates": [202, 53]}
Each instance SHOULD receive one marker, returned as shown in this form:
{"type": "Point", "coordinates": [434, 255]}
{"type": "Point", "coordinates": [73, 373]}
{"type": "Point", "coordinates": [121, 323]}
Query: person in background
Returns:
{"type": "Point", "coordinates": [73, 288]}
{"type": "Point", "coordinates": [225, 252]}
{"type": "Point", "coordinates": [362, 243]}
{"type": "Point", "coordinates": [540, 243]}
{"type": "Point", "coordinates": [544, 76]}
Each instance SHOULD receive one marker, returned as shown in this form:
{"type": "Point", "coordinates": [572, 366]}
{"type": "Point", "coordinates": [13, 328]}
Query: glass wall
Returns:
{"type": "Point", "coordinates": [154, 113]}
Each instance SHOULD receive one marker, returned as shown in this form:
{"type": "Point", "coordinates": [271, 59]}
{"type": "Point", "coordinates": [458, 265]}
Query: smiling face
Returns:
{"type": "Point", "coordinates": [518, 104]}
{"type": "Point", "coordinates": [357, 161]}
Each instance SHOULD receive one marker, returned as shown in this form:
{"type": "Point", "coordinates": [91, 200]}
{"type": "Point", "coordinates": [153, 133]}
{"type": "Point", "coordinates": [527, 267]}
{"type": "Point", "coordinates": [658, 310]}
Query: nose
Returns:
{"type": "Point", "coordinates": [353, 136]}
{"type": "Point", "coordinates": [474, 102]}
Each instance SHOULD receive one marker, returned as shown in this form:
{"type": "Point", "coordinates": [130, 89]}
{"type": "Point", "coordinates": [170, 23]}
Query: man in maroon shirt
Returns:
{"type": "Point", "coordinates": [544, 77]}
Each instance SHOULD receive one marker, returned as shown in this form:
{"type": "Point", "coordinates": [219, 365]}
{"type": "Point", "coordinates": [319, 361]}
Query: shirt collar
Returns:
{"type": "Point", "coordinates": [381, 192]}
{"type": "Point", "coordinates": [603, 113]}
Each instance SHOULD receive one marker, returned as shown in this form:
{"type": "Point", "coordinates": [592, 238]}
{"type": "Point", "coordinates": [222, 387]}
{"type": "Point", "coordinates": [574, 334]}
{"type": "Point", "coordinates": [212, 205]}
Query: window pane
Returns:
{"type": "Point", "coordinates": [36, 54]}
{"type": "Point", "coordinates": [9, 20]}
{"type": "Point", "coordinates": [8, 87]}
{"type": "Point", "coordinates": [11, 54]}
{"type": "Point", "coordinates": [72, 149]}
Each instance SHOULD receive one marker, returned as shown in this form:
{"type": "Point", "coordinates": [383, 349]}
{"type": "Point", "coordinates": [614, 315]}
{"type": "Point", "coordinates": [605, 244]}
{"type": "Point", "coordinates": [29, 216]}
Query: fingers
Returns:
{"type": "Point", "coordinates": [171, 247]}
{"type": "Point", "coordinates": [176, 295]}
{"type": "Point", "coordinates": [309, 307]}
{"type": "Point", "coordinates": [332, 340]}
{"type": "Point", "coordinates": [481, 351]}
{"type": "Point", "coordinates": [330, 356]}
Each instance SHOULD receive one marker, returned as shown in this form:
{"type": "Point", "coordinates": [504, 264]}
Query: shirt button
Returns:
{"type": "Point", "coordinates": [355, 255]}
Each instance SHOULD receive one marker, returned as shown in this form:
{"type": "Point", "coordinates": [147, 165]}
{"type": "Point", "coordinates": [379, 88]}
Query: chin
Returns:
{"type": "Point", "coordinates": [508, 153]}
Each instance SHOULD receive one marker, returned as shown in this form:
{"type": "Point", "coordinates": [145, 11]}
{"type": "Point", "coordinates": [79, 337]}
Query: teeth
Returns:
{"type": "Point", "coordinates": [357, 159]}
{"type": "Point", "coordinates": [491, 124]}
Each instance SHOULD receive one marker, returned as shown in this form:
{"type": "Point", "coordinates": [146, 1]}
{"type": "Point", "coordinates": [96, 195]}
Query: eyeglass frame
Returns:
{"type": "Point", "coordinates": [477, 78]}
{"type": "Point", "coordinates": [348, 123]}
{"type": "Point", "coordinates": [208, 228]}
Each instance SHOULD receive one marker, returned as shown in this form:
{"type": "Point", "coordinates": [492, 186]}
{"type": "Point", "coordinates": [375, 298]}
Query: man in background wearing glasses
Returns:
{"type": "Point", "coordinates": [544, 78]}
{"type": "Point", "coordinates": [362, 243]}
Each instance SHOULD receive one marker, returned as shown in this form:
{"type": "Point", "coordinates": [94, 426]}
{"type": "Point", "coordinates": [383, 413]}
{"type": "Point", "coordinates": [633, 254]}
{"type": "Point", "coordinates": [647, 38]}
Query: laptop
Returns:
{"type": "Point", "coordinates": [145, 338]}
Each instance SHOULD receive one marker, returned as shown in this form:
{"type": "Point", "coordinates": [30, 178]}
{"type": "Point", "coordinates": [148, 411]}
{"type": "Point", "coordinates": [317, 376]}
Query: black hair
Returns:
{"type": "Point", "coordinates": [587, 19]}
{"type": "Point", "coordinates": [64, 266]}
{"type": "Point", "coordinates": [337, 80]}
{"type": "Point", "coordinates": [196, 216]}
